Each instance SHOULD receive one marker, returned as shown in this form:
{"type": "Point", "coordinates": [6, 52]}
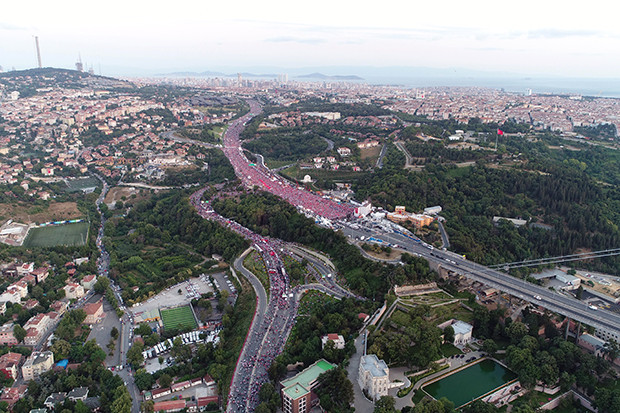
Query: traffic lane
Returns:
{"type": "Point", "coordinates": [558, 303]}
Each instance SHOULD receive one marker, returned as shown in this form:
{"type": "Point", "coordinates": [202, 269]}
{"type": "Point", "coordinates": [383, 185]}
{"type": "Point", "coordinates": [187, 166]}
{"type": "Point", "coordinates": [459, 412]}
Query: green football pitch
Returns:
{"type": "Point", "coordinates": [73, 235]}
{"type": "Point", "coordinates": [178, 318]}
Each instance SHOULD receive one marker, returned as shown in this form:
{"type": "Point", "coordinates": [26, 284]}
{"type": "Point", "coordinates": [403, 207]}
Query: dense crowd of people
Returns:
{"type": "Point", "coordinates": [255, 174]}
{"type": "Point", "coordinates": [267, 340]}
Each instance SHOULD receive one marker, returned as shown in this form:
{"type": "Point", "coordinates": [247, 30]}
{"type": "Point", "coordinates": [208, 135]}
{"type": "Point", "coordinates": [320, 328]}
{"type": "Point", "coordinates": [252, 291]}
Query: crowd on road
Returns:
{"type": "Point", "coordinates": [254, 174]}
{"type": "Point", "coordinates": [266, 339]}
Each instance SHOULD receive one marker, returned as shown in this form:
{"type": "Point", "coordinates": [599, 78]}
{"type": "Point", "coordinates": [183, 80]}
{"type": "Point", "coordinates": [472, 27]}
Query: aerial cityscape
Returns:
{"type": "Point", "coordinates": [217, 208]}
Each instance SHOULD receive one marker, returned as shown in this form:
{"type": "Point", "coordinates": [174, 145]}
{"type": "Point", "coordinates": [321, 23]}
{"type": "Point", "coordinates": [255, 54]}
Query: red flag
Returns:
{"type": "Point", "coordinates": [500, 132]}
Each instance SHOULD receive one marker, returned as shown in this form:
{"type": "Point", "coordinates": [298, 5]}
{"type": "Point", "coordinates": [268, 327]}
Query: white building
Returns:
{"type": "Point", "coordinates": [434, 210]}
{"type": "Point", "coordinates": [363, 210]}
{"type": "Point", "coordinates": [462, 331]}
{"type": "Point", "coordinates": [373, 376]}
{"type": "Point", "coordinates": [336, 338]}
{"type": "Point", "coordinates": [37, 364]}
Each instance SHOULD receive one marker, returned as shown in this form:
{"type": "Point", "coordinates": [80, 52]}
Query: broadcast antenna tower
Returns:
{"type": "Point", "coordinates": [36, 41]}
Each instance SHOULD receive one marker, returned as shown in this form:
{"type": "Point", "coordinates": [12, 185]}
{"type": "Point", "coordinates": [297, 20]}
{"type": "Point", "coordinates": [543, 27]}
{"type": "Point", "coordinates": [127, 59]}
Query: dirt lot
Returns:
{"type": "Point", "coordinates": [370, 152]}
{"type": "Point", "coordinates": [116, 193]}
{"type": "Point", "coordinates": [25, 213]}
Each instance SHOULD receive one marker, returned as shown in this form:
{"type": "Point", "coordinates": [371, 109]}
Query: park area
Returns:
{"type": "Point", "coordinates": [178, 318]}
{"type": "Point", "coordinates": [72, 235]}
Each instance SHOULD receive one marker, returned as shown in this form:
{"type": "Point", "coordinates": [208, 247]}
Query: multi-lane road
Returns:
{"type": "Point", "coordinates": [276, 313]}
{"type": "Point", "coordinates": [552, 300]}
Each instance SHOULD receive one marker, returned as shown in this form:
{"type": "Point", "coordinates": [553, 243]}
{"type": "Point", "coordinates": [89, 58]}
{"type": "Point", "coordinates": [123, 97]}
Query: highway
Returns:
{"type": "Point", "coordinates": [270, 328]}
{"type": "Point", "coordinates": [554, 301]}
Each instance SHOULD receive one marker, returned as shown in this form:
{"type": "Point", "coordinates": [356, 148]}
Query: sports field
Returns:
{"type": "Point", "coordinates": [80, 184]}
{"type": "Point", "coordinates": [73, 235]}
{"type": "Point", "coordinates": [178, 318]}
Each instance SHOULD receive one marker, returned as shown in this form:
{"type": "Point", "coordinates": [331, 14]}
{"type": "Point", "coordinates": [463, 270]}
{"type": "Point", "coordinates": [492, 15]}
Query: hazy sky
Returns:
{"type": "Point", "coordinates": [535, 37]}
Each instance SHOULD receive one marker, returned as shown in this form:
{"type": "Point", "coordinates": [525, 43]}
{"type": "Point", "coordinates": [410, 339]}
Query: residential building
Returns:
{"type": "Point", "coordinates": [336, 338]}
{"type": "Point", "coordinates": [89, 281]}
{"type": "Point", "coordinates": [78, 393]}
{"type": "Point", "coordinates": [596, 346]}
{"type": "Point", "coordinates": [13, 394]}
{"type": "Point", "coordinates": [94, 312]}
{"type": "Point", "coordinates": [41, 274]}
{"type": "Point", "coordinates": [36, 327]}
{"type": "Point", "coordinates": [203, 402]}
{"type": "Point", "coordinates": [37, 364]}
{"type": "Point", "coordinates": [373, 376]}
{"type": "Point", "coordinates": [296, 392]}
{"type": "Point", "coordinates": [73, 291]}
{"type": "Point", "coordinates": [6, 335]}
{"type": "Point", "coordinates": [9, 364]}
{"type": "Point", "coordinates": [54, 399]}
{"type": "Point", "coordinates": [59, 306]}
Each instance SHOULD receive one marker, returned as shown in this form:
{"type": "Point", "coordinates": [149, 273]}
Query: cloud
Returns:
{"type": "Point", "coordinates": [8, 26]}
{"type": "Point", "coordinates": [560, 33]}
{"type": "Point", "coordinates": [293, 39]}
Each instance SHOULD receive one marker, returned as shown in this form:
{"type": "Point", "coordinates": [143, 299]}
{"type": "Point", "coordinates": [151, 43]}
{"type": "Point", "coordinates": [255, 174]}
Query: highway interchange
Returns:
{"type": "Point", "coordinates": [276, 312]}
{"type": "Point", "coordinates": [254, 361]}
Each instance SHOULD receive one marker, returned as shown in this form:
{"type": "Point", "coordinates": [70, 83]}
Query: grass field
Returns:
{"type": "Point", "coordinates": [73, 235]}
{"type": "Point", "coordinates": [178, 318]}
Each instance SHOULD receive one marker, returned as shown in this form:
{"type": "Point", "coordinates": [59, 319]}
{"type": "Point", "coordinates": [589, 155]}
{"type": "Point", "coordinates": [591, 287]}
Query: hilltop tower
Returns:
{"type": "Point", "coordinates": [79, 66]}
{"type": "Point", "coordinates": [36, 41]}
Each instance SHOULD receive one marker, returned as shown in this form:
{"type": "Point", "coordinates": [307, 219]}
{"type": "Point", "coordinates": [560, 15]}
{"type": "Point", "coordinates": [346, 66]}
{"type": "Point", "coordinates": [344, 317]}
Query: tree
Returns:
{"type": "Point", "coordinates": [143, 329]}
{"type": "Point", "coordinates": [335, 388]}
{"type": "Point", "coordinates": [147, 406]}
{"type": "Point", "coordinates": [122, 401]}
{"type": "Point", "coordinates": [134, 355]}
{"type": "Point", "coordinates": [579, 292]}
{"type": "Point", "coordinates": [165, 380]}
{"type": "Point", "coordinates": [478, 406]}
{"type": "Point", "coordinates": [101, 285]}
{"type": "Point", "coordinates": [516, 331]}
{"type": "Point", "coordinates": [114, 333]}
{"type": "Point", "coordinates": [143, 380]}
{"type": "Point", "coordinates": [385, 405]}
{"type": "Point", "coordinates": [19, 333]}
{"type": "Point", "coordinates": [61, 349]}
{"type": "Point", "coordinates": [448, 335]}
{"type": "Point", "coordinates": [489, 346]}
{"type": "Point", "coordinates": [262, 408]}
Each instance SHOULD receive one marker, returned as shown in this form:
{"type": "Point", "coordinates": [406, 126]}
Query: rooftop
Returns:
{"type": "Point", "coordinates": [372, 364]}
{"type": "Point", "coordinates": [306, 379]}
{"type": "Point", "coordinates": [461, 327]}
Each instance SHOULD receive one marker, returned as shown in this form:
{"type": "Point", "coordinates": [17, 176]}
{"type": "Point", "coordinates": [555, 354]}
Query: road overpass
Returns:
{"type": "Point", "coordinates": [554, 301]}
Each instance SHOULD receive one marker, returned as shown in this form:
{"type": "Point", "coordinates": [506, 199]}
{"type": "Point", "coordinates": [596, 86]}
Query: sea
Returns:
{"type": "Point", "coordinates": [556, 86]}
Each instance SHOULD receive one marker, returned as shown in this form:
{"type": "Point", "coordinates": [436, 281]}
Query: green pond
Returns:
{"type": "Point", "coordinates": [470, 383]}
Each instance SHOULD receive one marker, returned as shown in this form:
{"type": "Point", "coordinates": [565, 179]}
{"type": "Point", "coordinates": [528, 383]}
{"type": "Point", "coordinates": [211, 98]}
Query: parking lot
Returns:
{"type": "Point", "coordinates": [170, 297]}
{"type": "Point", "coordinates": [101, 331]}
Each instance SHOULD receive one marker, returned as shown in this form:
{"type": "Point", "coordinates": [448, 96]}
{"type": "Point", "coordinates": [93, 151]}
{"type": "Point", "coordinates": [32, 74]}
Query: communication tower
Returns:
{"type": "Point", "coordinates": [79, 66]}
{"type": "Point", "coordinates": [36, 41]}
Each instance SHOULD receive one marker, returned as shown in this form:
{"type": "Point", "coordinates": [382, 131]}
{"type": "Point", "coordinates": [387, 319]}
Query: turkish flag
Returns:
{"type": "Point", "coordinates": [500, 132]}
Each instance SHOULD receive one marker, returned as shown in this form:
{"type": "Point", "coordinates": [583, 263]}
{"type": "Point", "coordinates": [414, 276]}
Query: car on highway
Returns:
{"type": "Point", "coordinates": [538, 297]}
{"type": "Point", "coordinates": [592, 307]}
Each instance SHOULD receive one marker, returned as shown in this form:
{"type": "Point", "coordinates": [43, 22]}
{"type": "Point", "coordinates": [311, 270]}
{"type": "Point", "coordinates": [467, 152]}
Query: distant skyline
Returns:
{"type": "Point", "coordinates": [528, 38]}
